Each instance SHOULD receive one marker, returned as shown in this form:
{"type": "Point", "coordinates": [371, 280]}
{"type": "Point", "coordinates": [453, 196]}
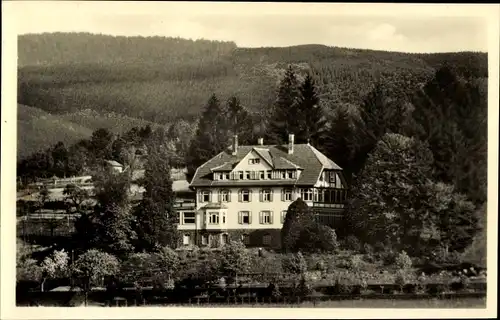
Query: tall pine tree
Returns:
{"type": "Point", "coordinates": [211, 136]}
{"type": "Point", "coordinates": [312, 122]}
{"type": "Point", "coordinates": [340, 144]}
{"type": "Point", "coordinates": [284, 119]}
{"type": "Point", "coordinates": [239, 121]}
{"type": "Point", "coordinates": [450, 114]}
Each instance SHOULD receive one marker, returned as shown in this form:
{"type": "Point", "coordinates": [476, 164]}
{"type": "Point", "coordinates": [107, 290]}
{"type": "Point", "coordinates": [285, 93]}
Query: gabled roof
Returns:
{"type": "Point", "coordinates": [304, 157]}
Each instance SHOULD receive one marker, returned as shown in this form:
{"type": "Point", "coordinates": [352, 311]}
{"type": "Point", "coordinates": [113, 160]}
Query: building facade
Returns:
{"type": "Point", "coordinates": [244, 192]}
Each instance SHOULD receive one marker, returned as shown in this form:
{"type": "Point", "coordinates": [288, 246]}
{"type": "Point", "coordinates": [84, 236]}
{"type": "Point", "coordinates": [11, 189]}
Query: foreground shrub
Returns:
{"type": "Point", "coordinates": [93, 265]}
{"type": "Point", "coordinates": [294, 263]}
{"type": "Point", "coordinates": [351, 242]}
{"type": "Point", "coordinates": [235, 258]}
{"type": "Point", "coordinates": [403, 261]}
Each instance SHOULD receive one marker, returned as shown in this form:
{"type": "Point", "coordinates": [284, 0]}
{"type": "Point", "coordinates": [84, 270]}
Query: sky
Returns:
{"type": "Point", "coordinates": [407, 28]}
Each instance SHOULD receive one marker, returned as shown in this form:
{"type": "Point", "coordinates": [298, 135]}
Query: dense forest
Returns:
{"type": "Point", "coordinates": [161, 80]}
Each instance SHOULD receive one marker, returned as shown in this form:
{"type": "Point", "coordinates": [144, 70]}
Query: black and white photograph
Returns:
{"type": "Point", "coordinates": [285, 158]}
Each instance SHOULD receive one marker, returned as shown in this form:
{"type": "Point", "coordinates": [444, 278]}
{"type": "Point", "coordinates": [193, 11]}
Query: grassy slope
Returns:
{"type": "Point", "coordinates": [38, 129]}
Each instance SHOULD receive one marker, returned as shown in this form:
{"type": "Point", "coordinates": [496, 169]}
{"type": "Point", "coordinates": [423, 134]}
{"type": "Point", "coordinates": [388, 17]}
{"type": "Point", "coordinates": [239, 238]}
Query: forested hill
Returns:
{"type": "Point", "coordinates": [161, 80]}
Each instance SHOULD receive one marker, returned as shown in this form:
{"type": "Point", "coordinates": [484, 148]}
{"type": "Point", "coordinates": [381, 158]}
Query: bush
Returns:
{"type": "Point", "coordinates": [168, 261]}
{"type": "Point", "coordinates": [403, 261]}
{"type": "Point", "coordinates": [355, 264]}
{"type": "Point", "coordinates": [294, 263]}
{"type": "Point", "coordinates": [351, 242]}
{"type": "Point", "coordinates": [235, 258]}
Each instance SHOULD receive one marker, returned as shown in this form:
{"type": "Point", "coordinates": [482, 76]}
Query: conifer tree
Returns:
{"type": "Point", "coordinates": [339, 142]}
{"type": "Point", "coordinates": [284, 120]}
{"type": "Point", "coordinates": [211, 136]}
{"type": "Point", "coordinates": [239, 121]}
{"type": "Point", "coordinates": [312, 123]}
{"type": "Point", "coordinates": [450, 115]}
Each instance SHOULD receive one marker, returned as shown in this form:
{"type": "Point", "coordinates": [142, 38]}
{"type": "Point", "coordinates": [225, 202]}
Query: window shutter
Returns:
{"type": "Point", "coordinates": [261, 217]}
{"type": "Point", "coordinates": [200, 197]}
{"type": "Point", "coordinates": [228, 195]}
{"type": "Point", "coordinates": [249, 217]}
{"type": "Point", "coordinates": [261, 195]}
{"type": "Point", "coordinates": [249, 195]}
{"type": "Point", "coordinates": [219, 196]}
{"type": "Point", "coordinates": [282, 194]}
{"type": "Point", "coordinates": [209, 196]}
{"type": "Point", "coordinates": [240, 196]}
{"type": "Point", "coordinates": [271, 213]}
{"type": "Point", "coordinates": [271, 194]}
{"type": "Point", "coordinates": [240, 217]}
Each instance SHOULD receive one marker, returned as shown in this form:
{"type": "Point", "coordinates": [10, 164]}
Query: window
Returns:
{"type": "Point", "coordinates": [213, 218]}
{"type": "Point", "coordinates": [283, 216]}
{"type": "Point", "coordinates": [225, 176]}
{"type": "Point", "coordinates": [224, 239]}
{"type": "Point", "coordinates": [283, 174]}
{"type": "Point", "coordinates": [223, 217]}
{"type": "Point", "coordinates": [269, 175]}
{"type": "Point", "coordinates": [262, 175]}
{"type": "Point", "coordinates": [204, 239]}
{"type": "Point", "coordinates": [266, 240]}
{"type": "Point", "coordinates": [205, 196]}
{"type": "Point", "coordinates": [245, 195]}
{"type": "Point", "coordinates": [244, 217]}
{"type": "Point", "coordinates": [254, 161]}
{"type": "Point", "coordinates": [333, 177]}
{"type": "Point", "coordinates": [286, 195]}
{"type": "Point", "coordinates": [306, 194]}
{"type": "Point", "coordinates": [247, 175]}
{"type": "Point", "coordinates": [266, 195]}
{"type": "Point", "coordinates": [189, 217]}
{"type": "Point", "coordinates": [240, 173]}
{"type": "Point", "coordinates": [186, 239]}
{"type": "Point", "coordinates": [266, 217]}
{"type": "Point", "coordinates": [245, 238]}
{"type": "Point", "coordinates": [224, 196]}
{"type": "Point", "coordinates": [290, 174]}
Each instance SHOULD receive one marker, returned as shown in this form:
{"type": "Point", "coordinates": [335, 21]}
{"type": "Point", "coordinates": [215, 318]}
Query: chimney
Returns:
{"type": "Point", "coordinates": [261, 141]}
{"type": "Point", "coordinates": [291, 138]}
{"type": "Point", "coordinates": [235, 144]}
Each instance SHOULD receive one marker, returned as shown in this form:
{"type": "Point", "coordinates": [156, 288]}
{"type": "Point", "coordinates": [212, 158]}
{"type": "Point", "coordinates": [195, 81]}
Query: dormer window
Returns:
{"type": "Point", "coordinates": [254, 161]}
{"type": "Point", "coordinates": [290, 174]}
{"type": "Point", "coordinates": [262, 175]}
{"type": "Point", "coordinates": [283, 174]}
{"type": "Point", "coordinates": [333, 177]}
{"type": "Point", "coordinates": [247, 175]}
{"type": "Point", "coordinates": [269, 175]}
{"type": "Point", "coordinates": [240, 174]}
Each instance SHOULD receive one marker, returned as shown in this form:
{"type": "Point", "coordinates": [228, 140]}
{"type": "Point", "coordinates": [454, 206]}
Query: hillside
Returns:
{"type": "Point", "coordinates": [164, 79]}
{"type": "Point", "coordinates": [38, 129]}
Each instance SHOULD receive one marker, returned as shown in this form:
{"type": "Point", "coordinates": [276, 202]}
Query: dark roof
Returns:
{"type": "Point", "coordinates": [304, 157]}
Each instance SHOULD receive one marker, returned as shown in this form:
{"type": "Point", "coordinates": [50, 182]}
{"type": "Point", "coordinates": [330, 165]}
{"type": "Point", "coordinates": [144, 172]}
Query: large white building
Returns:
{"type": "Point", "coordinates": [244, 192]}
